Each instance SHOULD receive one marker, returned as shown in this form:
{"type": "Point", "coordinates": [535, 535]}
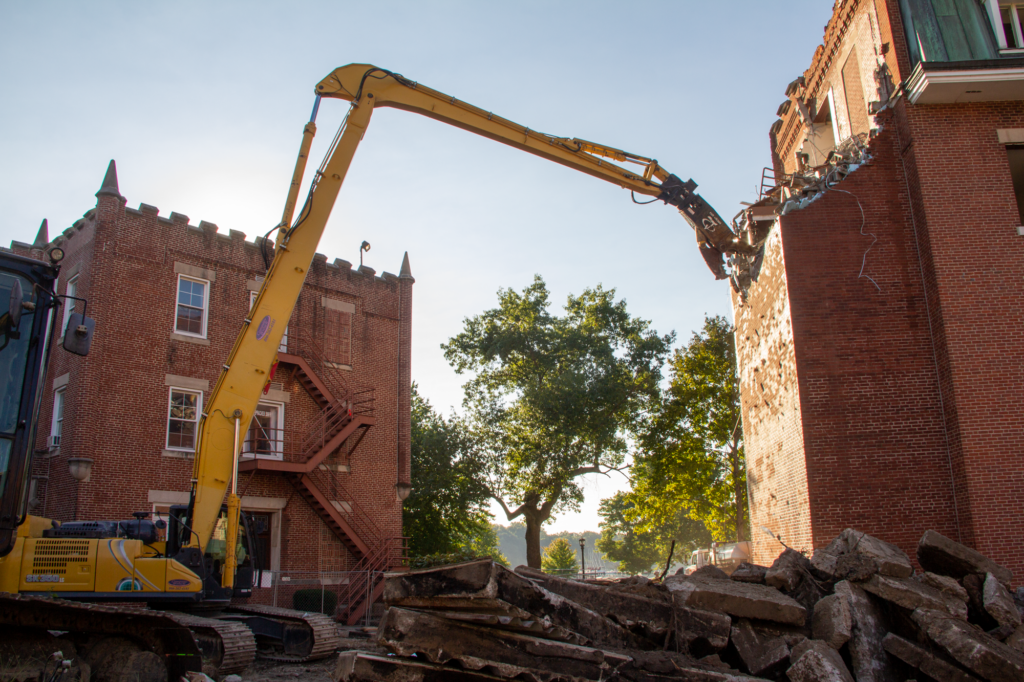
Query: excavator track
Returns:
{"type": "Point", "coordinates": [228, 645]}
{"type": "Point", "coordinates": [156, 631]}
{"type": "Point", "coordinates": [323, 629]}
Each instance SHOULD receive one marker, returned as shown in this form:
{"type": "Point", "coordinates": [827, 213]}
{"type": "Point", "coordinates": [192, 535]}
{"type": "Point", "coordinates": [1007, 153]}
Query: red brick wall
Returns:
{"type": "Point", "coordinates": [906, 390]}
{"type": "Point", "coordinates": [116, 400]}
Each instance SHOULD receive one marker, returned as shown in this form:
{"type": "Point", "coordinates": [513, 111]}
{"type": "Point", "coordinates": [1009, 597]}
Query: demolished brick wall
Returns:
{"type": "Point", "coordinates": [906, 392]}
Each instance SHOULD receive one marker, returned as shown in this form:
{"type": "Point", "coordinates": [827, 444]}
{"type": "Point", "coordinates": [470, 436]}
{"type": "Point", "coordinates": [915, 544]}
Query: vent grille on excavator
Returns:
{"type": "Point", "coordinates": [53, 556]}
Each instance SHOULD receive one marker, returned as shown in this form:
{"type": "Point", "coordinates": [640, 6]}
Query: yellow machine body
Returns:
{"type": "Point", "coordinates": [75, 566]}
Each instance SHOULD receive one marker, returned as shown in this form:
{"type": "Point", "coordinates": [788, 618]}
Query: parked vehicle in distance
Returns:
{"type": "Point", "coordinates": [726, 556]}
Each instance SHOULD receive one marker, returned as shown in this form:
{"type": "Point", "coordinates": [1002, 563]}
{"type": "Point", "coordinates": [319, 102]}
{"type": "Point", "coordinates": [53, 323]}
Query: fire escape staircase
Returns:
{"type": "Point", "coordinates": [345, 417]}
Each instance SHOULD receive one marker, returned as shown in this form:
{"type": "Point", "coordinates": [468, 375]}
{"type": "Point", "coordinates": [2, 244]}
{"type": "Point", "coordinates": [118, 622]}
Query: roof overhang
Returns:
{"type": "Point", "coordinates": [983, 80]}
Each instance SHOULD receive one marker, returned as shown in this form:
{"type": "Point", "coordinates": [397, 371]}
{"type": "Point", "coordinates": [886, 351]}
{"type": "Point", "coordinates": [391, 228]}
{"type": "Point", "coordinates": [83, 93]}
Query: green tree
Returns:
{"type": "Point", "coordinates": [692, 450]}
{"type": "Point", "coordinates": [639, 547]}
{"type": "Point", "coordinates": [554, 396]}
{"type": "Point", "coordinates": [560, 558]}
{"type": "Point", "coordinates": [446, 510]}
{"type": "Point", "coordinates": [484, 542]}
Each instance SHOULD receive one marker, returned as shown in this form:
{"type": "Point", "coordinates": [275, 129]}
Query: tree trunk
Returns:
{"type": "Point", "coordinates": [532, 539]}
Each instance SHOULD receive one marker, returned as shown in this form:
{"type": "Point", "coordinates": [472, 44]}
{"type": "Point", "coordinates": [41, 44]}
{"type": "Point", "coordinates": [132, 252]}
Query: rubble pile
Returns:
{"type": "Point", "coordinates": [856, 610]}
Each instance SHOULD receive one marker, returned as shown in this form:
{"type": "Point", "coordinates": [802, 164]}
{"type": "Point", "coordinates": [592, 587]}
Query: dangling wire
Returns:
{"type": "Point", "coordinates": [642, 203]}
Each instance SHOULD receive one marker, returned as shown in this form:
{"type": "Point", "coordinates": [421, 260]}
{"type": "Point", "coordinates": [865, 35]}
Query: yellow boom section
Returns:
{"type": "Point", "coordinates": [360, 81]}
{"type": "Point", "coordinates": [245, 373]}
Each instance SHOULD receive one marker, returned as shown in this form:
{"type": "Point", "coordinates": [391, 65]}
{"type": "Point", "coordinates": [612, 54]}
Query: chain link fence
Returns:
{"type": "Point", "coordinates": [326, 593]}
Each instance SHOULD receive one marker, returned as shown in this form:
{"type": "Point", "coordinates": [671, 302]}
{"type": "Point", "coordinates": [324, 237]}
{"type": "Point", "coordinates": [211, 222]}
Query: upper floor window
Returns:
{"type": "Point", "coordinates": [192, 306]}
{"type": "Point", "coordinates": [1009, 14]}
{"type": "Point", "coordinates": [183, 419]}
{"type": "Point", "coordinates": [71, 289]}
{"type": "Point", "coordinates": [57, 424]}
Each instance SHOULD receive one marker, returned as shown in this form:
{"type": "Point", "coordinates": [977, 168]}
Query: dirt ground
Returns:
{"type": "Point", "coordinates": [315, 671]}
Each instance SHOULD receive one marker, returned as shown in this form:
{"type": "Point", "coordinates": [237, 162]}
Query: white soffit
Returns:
{"type": "Point", "coordinates": [975, 85]}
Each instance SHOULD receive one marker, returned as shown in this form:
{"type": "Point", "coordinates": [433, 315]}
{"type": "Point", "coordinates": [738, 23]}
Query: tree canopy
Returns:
{"type": "Point", "coordinates": [447, 510]}
{"type": "Point", "coordinates": [691, 454]}
{"type": "Point", "coordinates": [560, 558]}
{"type": "Point", "coordinates": [640, 546]}
{"type": "Point", "coordinates": [553, 397]}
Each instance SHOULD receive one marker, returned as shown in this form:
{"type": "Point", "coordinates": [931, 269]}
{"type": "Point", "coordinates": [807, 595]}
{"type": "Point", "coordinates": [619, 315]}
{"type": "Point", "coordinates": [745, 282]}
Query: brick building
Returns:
{"type": "Point", "coordinates": [881, 345]}
{"type": "Point", "coordinates": [328, 452]}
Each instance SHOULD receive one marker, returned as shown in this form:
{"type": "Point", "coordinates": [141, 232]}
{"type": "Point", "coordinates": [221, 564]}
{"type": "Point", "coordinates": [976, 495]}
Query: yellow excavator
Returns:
{"type": "Point", "coordinates": [199, 577]}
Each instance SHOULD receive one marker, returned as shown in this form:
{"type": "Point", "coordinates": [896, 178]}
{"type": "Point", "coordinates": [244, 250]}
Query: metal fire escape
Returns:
{"type": "Point", "coordinates": [346, 415]}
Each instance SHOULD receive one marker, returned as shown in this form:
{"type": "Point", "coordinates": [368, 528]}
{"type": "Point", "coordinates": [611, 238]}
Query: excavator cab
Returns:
{"type": "Point", "coordinates": [247, 575]}
{"type": "Point", "coordinates": [27, 313]}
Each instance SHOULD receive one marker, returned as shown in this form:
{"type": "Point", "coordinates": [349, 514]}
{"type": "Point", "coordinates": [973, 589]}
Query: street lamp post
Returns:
{"type": "Point", "coordinates": [583, 557]}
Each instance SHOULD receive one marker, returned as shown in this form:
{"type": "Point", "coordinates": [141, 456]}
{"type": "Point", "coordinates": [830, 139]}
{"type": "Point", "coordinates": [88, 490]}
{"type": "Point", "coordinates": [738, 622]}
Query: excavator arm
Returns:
{"type": "Point", "coordinates": [229, 410]}
{"type": "Point", "coordinates": [358, 83]}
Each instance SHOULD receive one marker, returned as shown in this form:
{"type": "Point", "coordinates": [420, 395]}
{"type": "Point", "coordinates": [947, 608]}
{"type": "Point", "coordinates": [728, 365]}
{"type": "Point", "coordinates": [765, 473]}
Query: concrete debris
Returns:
{"type": "Point", "coordinates": [750, 573]}
{"type": "Point", "coordinates": [853, 612]}
{"type": "Point", "coordinates": [939, 554]}
{"type": "Point", "coordinates": [743, 600]}
{"type": "Point", "coordinates": [869, 627]}
{"type": "Point", "coordinates": [919, 658]}
{"type": "Point", "coordinates": [833, 623]}
{"type": "Point", "coordinates": [999, 603]}
{"type": "Point", "coordinates": [911, 595]}
{"type": "Point", "coordinates": [943, 583]}
{"type": "Point", "coordinates": [814, 661]}
{"type": "Point", "coordinates": [760, 656]}
{"type": "Point", "coordinates": [971, 647]}
{"type": "Point", "coordinates": [788, 571]}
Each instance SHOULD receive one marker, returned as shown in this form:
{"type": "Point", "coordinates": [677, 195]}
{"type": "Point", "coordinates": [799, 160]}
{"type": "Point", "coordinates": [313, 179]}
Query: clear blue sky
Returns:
{"type": "Point", "coordinates": [202, 105]}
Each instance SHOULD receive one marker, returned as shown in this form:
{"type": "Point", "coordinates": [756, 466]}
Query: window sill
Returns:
{"type": "Point", "coordinates": [179, 454]}
{"type": "Point", "coordinates": [175, 336]}
{"type": "Point", "coordinates": [1012, 51]}
{"type": "Point", "coordinates": [337, 468]}
{"type": "Point", "coordinates": [338, 365]}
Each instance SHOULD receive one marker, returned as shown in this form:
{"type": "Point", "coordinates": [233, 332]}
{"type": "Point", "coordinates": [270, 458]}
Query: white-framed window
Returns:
{"type": "Point", "coordinates": [265, 437]}
{"type": "Point", "coordinates": [1006, 20]}
{"type": "Point", "coordinates": [192, 306]}
{"type": "Point", "coordinates": [71, 289]}
{"type": "Point", "coordinates": [183, 410]}
{"type": "Point", "coordinates": [283, 348]}
{"type": "Point", "coordinates": [57, 423]}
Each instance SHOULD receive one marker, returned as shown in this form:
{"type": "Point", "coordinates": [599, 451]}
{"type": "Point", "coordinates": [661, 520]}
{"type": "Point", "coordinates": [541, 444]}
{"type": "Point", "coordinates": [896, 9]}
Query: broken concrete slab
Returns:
{"type": "Point", "coordinates": [854, 555]}
{"type": "Point", "coordinates": [971, 647]}
{"type": "Point", "coordinates": [832, 622]}
{"type": "Point", "coordinates": [750, 573]}
{"type": "Point", "coordinates": [892, 561]}
{"type": "Point", "coordinates": [815, 661]}
{"type": "Point", "coordinates": [868, 658]}
{"type": "Point", "coordinates": [744, 600]}
{"type": "Point", "coordinates": [701, 632]}
{"type": "Point", "coordinates": [362, 666]}
{"type": "Point", "coordinates": [709, 573]}
{"type": "Point", "coordinates": [939, 554]}
{"type": "Point", "coordinates": [974, 585]}
{"type": "Point", "coordinates": [485, 587]}
{"type": "Point", "coordinates": [765, 657]}
{"type": "Point", "coordinates": [921, 659]}
{"type": "Point", "coordinates": [536, 627]}
{"type": "Point", "coordinates": [1016, 640]}
{"type": "Point", "coordinates": [911, 595]}
{"type": "Point", "coordinates": [999, 603]}
{"type": "Point", "coordinates": [787, 571]}
{"type": "Point", "coordinates": [943, 583]}
{"type": "Point", "coordinates": [440, 641]}
{"type": "Point", "coordinates": [622, 606]}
